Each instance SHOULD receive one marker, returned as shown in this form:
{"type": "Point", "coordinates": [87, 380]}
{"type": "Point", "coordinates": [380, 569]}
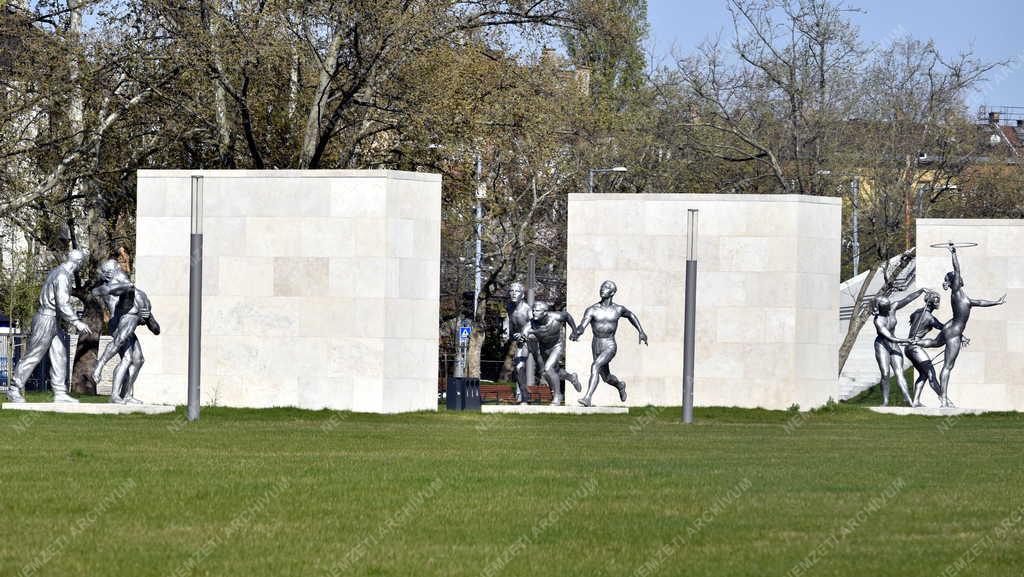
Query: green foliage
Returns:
{"type": "Point", "coordinates": [607, 40]}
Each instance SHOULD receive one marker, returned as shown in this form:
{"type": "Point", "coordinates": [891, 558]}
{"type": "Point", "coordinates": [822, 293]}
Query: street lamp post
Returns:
{"type": "Point", "coordinates": [690, 310]}
{"type": "Point", "coordinates": [854, 224]}
{"type": "Point", "coordinates": [531, 298]}
{"type": "Point", "coordinates": [195, 299]}
{"type": "Point", "coordinates": [481, 192]}
{"type": "Point", "coordinates": [593, 171]}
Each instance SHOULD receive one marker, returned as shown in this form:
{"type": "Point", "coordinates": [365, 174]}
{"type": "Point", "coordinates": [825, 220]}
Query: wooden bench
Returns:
{"type": "Point", "coordinates": [507, 395]}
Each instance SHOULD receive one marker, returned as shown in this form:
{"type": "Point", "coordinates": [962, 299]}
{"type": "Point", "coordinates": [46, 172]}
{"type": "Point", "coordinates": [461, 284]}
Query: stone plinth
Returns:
{"type": "Point", "coordinates": [989, 373]}
{"type": "Point", "coordinates": [89, 408]}
{"type": "Point", "coordinates": [767, 304]}
{"type": "Point", "coordinates": [552, 410]}
{"type": "Point", "coordinates": [320, 288]}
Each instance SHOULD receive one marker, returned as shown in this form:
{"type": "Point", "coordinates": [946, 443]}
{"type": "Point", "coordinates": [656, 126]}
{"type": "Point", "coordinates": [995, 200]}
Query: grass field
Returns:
{"type": "Point", "coordinates": [288, 492]}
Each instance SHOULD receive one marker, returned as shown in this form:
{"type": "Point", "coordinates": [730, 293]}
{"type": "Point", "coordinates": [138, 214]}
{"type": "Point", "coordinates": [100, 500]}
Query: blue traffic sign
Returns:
{"type": "Point", "coordinates": [464, 333]}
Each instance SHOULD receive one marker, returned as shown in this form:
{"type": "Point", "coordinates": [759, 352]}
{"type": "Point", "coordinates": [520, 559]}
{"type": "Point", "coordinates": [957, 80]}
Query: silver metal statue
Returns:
{"type": "Point", "coordinates": [887, 351]}
{"type": "Point", "coordinates": [544, 339]}
{"type": "Point", "coordinates": [922, 321]}
{"type": "Point", "coordinates": [604, 317]}
{"type": "Point", "coordinates": [952, 335]}
{"type": "Point", "coordinates": [519, 315]}
{"type": "Point", "coordinates": [129, 307]}
{"type": "Point", "coordinates": [47, 335]}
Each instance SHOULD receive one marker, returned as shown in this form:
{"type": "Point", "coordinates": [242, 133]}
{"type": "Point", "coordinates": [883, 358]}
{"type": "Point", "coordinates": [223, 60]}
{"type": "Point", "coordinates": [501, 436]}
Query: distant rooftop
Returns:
{"type": "Point", "coordinates": [1000, 114]}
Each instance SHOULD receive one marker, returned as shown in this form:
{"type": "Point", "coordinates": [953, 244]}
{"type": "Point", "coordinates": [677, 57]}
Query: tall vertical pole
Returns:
{"type": "Point", "coordinates": [10, 309]}
{"type": "Point", "coordinates": [195, 298]}
{"type": "Point", "coordinates": [854, 224]}
{"type": "Point", "coordinates": [479, 234]}
{"type": "Point", "coordinates": [531, 296]}
{"type": "Point", "coordinates": [462, 350]}
{"type": "Point", "coordinates": [689, 327]}
{"type": "Point", "coordinates": [590, 181]}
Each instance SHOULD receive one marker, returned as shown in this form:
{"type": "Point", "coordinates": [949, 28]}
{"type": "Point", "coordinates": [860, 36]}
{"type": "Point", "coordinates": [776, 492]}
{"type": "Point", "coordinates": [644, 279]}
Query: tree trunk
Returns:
{"type": "Point", "coordinates": [225, 140]}
{"type": "Point", "coordinates": [311, 134]}
{"type": "Point", "coordinates": [88, 348]}
{"type": "Point", "coordinates": [508, 367]}
{"type": "Point", "coordinates": [476, 345]}
{"type": "Point", "coordinates": [860, 312]}
{"type": "Point", "coordinates": [858, 317]}
{"type": "Point", "coordinates": [76, 112]}
{"type": "Point", "coordinates": [293, 82]}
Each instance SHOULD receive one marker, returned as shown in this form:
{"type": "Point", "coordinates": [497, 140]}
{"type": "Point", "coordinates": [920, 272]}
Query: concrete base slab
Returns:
{"type": "Point", "coordinates": [553, 410]}
{"type": "Point", "coordinates": [928, 411]}
{"type": "Point", "coordinates": [89, 408]}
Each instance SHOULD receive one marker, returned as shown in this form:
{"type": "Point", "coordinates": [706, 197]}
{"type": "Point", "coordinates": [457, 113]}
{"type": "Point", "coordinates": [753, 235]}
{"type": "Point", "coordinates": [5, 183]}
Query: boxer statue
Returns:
{"type": "Point", "coordinates": [129, 307]}
{"type": "Point", "coordinates": [47, 335]}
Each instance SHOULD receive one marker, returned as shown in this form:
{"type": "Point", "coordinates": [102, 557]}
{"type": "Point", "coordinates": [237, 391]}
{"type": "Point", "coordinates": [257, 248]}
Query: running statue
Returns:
{"type": "Point", "coordinates": [604, 317]}
{"type": "Point", "coordinates": [47, 336]}
{"type": "Point", "coordinates": [129, 307]}
{"type": "Point", "coordinates": [951, 336]}
{"type": "Point", "coordinates": [519, 314]}
{"type": "Point", "coordinates": [922, 321]}
{"type": "Point", "coordinates": [887, 351]}
{"type": "Point", "coordinates": [544, 339]}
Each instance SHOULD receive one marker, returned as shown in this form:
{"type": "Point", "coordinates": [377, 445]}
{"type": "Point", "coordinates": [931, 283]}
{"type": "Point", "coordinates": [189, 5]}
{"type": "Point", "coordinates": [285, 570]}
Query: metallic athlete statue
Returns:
{"type": "Point", "coordinates": [887, 353]}
{"type": "Point", "coordinates": [54, 305]}
{"type": "Point", "coordinates": [922, 321]}
{"type": "Point", "coordinates": [604, 317]}
{"type": "Point", "coordinates": [951, 336]}
{"type": "Point", "coordinates": [519, 314]}
{"type": "Point", "coordinates": [129, 307]}
{"type": "Point", "coordinates": [544, 339]}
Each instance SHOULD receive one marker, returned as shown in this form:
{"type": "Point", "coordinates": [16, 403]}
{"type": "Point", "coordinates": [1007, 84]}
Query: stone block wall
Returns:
{"type": "Point", "coordinates": [767, 303]}
{"type": "Point", "coordinates": [320, 288]}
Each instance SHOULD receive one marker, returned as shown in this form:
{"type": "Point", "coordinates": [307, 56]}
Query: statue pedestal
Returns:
{"type": "Point", "coordinates": [89, 408]}
{"type": "Point", "coordinates": [553, 410]}
{"type": "Point", "coordinates": [928, 411]}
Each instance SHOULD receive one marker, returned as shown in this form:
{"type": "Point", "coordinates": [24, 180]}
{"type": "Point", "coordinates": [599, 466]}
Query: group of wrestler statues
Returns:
{"type": "Point", "coordinates": [537, 331]}
{"type": "Point", "coordinates": [950, 337]}
{"type": "Point", "coordinates": [128, 307]}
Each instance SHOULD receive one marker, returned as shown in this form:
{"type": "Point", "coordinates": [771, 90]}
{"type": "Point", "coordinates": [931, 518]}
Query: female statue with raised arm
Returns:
{"type": "Point", "coordinates": [887, 350]}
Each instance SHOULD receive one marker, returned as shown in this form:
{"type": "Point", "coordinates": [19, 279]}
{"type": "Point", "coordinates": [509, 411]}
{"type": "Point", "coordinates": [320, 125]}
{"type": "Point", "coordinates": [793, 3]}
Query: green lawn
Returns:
{"type": "Point", "coordinates": [289, 492]}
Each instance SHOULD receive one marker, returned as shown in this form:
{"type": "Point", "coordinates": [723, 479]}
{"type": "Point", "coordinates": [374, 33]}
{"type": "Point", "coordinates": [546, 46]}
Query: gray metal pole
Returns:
{"type": "Point", "coordinates": [479, 234]}
{"type": "Point", "coordinates": [10, 309]}
{"type": "Point", "coordinates": [590, 182]}
{"type": "Point", "coordinates": [462, 349]}
{"type": "Point", "coordinates": [531, 296]}
{"type": "Point", "coordinates": [195, 299]}
{"type": "Point", "coordinates": [689, 327]}
{"type": "Point", "coordinates": [854, 225]}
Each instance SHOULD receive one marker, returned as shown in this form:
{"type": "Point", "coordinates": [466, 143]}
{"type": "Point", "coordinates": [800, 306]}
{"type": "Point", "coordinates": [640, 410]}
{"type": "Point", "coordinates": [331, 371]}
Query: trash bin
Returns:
{"type": "Point", "coordinates": [463, 394]}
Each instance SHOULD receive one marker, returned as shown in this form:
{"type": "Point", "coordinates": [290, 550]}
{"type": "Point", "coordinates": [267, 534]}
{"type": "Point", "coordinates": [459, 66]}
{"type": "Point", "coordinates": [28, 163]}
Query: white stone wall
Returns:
{"type": "Point", "coordinates": [767, 303]}
{"type": "Point", "coordinates": [321, 288]}
{"type": "Point", "coordinates": [989, 373]}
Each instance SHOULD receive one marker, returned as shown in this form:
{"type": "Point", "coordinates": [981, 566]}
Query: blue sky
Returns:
{"type": "Point", "coordinates": [993, 28]}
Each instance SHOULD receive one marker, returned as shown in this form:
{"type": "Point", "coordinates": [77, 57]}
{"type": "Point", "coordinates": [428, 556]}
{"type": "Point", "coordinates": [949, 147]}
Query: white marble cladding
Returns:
{"type": "Point", "coordinates": [321, 288]}
{"type": "Point", "coordinates": [768, 268]}
{"type": "Point", "coordinates": [989, 373]}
